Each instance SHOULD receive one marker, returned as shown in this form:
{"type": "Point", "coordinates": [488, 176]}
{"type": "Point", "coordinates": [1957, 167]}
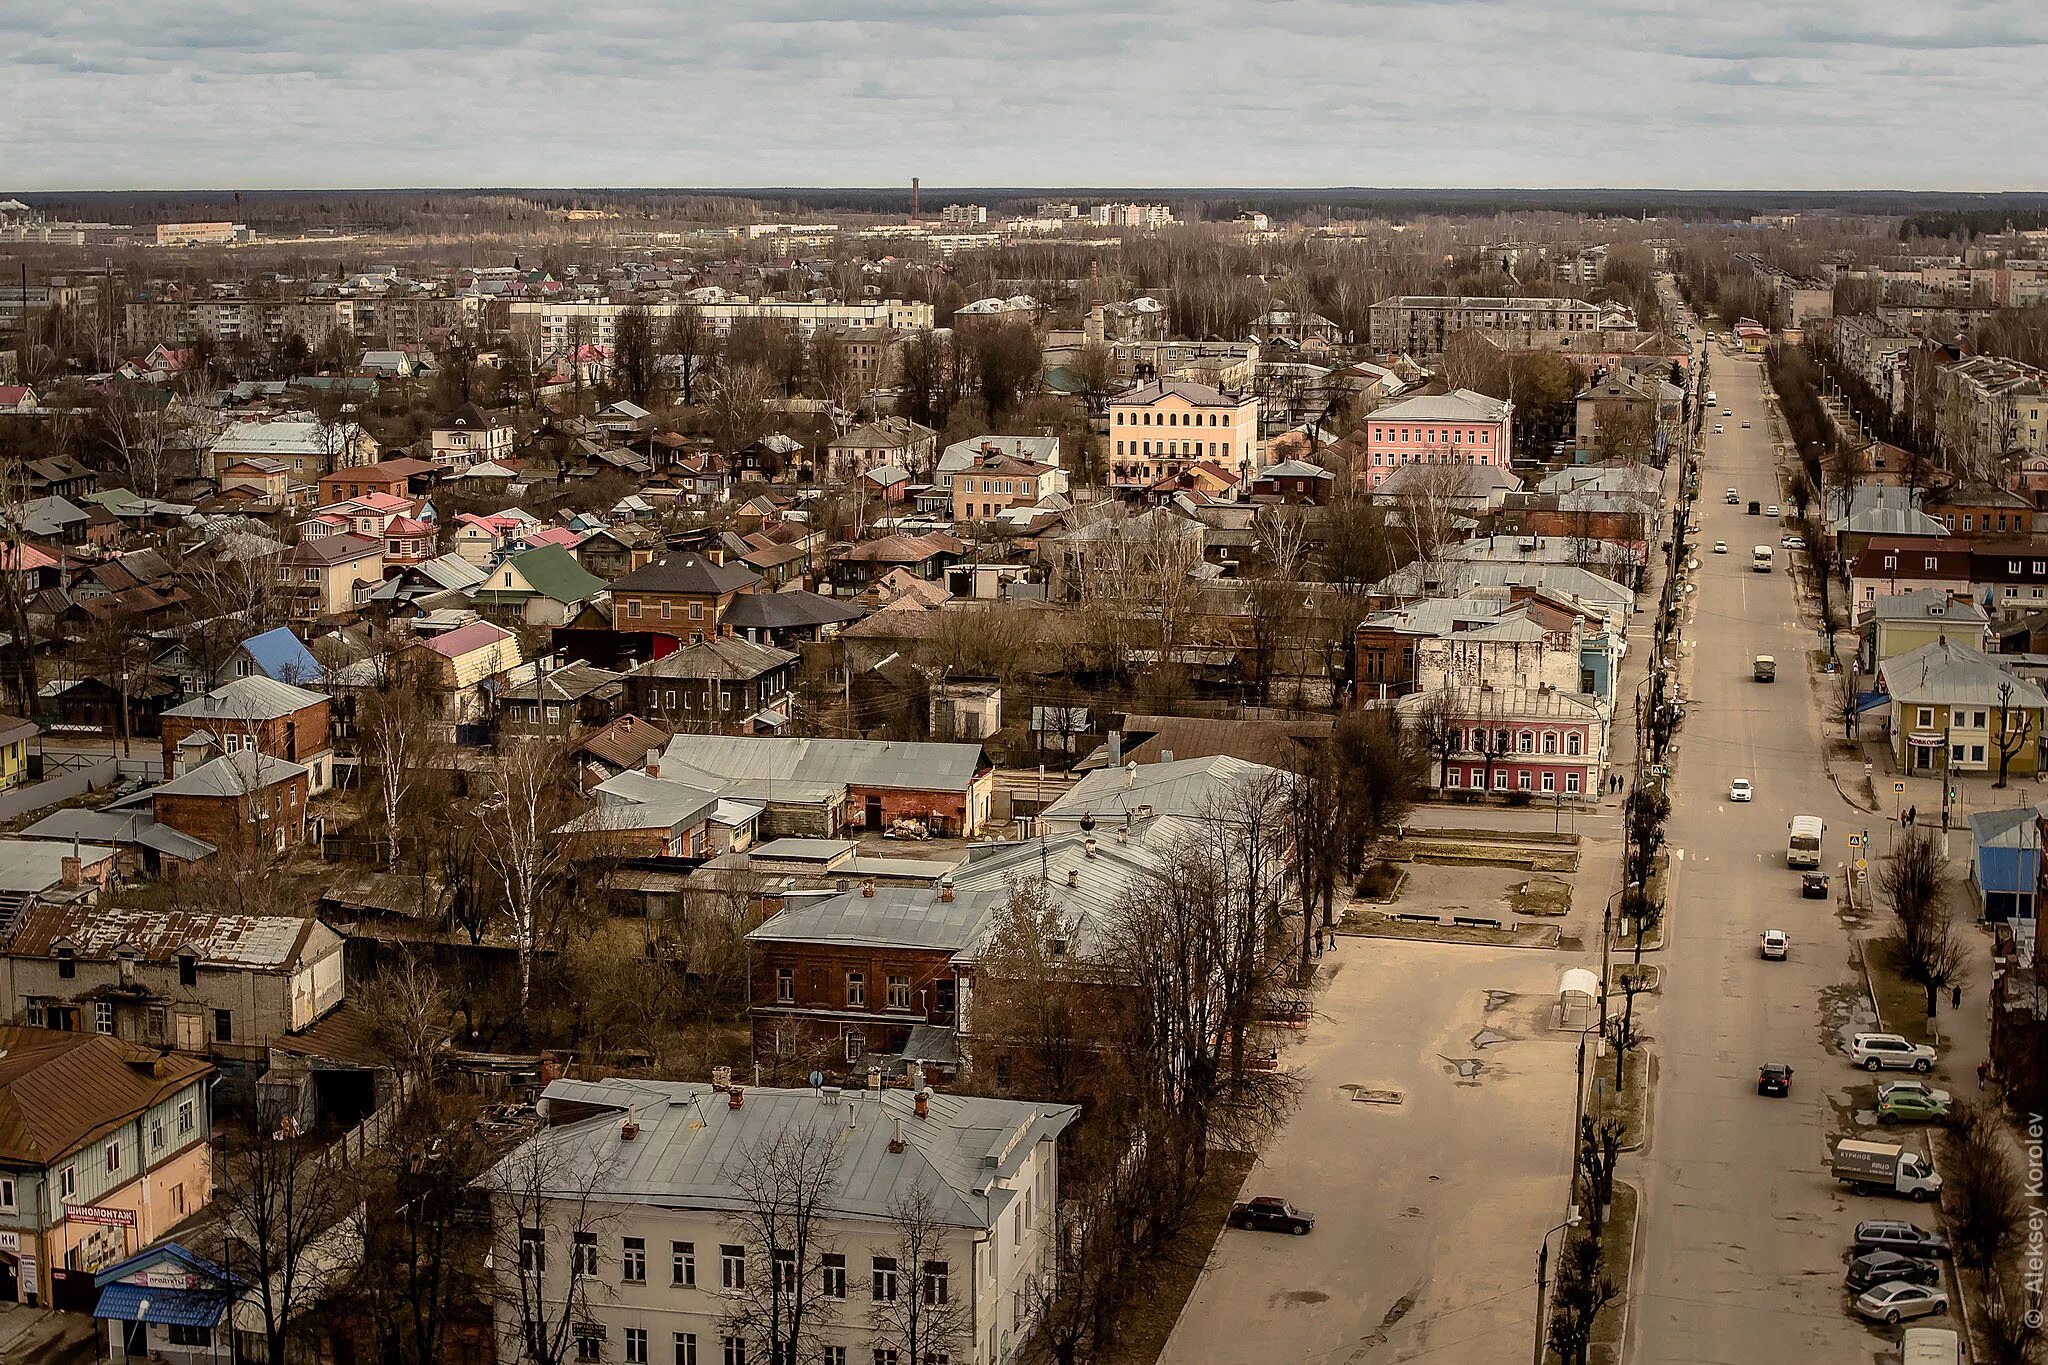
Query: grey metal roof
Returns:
{"type": "Point", "coordinates": [796, 849]}
{"type": "Point", "coordinates": [784, 610]}
{"type": "Point", "coordinates": [230, 775]}
{"type": "Point", "coordinates": [1947, 672]}
{"type": "Point", "coordinates": [896, 917]}
{"type": "Point", "coordinates": [27, 865]}
{"type": "Point", "coordinates": [1927, 604]}
{"type": "Point", "coordinates": [1186, 786]}
{"type": "Point", "coordinates": [859, 762]}
{"type": "Point", "coordinates": [118, 827]}
{"type": "Point", "coordinates": [691, 1143]}
{"type": "Point", "coordinates": [252, 698]}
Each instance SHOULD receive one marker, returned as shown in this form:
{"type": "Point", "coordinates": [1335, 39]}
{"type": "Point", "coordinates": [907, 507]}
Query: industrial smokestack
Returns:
{"type": "Point", "coordinates": [913, 198]}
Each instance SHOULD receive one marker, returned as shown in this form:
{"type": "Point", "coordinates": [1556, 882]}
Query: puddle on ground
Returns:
{"type": "Point", "coordinates": [1378, 1338]}
{"type": "Point", "coordinates": [1468, 1068]}
{"type": "Point", "coordinates": [1304, 1296]}
{"type": "Point", "coordinates": [1495, 999]}
{"type": "Point", "coordinates": [1487, 1037]}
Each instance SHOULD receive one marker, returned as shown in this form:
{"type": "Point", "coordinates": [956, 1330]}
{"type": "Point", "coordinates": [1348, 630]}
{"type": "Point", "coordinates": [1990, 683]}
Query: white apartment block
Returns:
{"type": "Point", "coordinates": [966, 215]}
{"type": "Point", "coordinates": [623, 1212]}
{"type": "Point", "coordinates": [552, 320]}
{"type": "Point", "coordinates": [1421, 324]}
{"type": "Point", "coordinates": [1146, 217]}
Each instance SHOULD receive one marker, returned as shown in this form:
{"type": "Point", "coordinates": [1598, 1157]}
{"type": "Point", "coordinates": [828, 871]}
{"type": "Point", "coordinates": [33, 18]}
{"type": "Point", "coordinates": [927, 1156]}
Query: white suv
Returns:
{"type": "Point", "coordinates": [1877, 1051]}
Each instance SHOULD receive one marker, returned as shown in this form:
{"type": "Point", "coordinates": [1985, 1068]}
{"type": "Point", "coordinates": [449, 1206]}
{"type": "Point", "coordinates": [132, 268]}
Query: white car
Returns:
{"type": "Point", "coordinates": [1772, 510]}
{"type": "Point", "coordinates": [1880, 1051]}
{"type": "Point", "coordinates": [1740, 790]}
{"type": "Point", "coordinates": [1727, 412]}
{"type": "Point", "coordinates": [1717, 428]}
{"type": "Point", "coordinates": [1745, 426]}
{"type": "Point", "coordinates": [1720, 547]}
{"type": "Point", "coordinates": [1773, 944]}
{"type": "Point", "coordinates": [1898, 1300]}
{"type": "Point", "coordinates": [1795, 542]}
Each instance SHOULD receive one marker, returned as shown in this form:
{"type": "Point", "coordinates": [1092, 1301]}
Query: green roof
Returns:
{"type": "Point", "coordinates": [554, 573]}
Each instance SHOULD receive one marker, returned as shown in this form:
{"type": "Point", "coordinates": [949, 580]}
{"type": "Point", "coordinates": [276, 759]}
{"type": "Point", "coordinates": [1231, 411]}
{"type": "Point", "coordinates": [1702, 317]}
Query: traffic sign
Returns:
{"type": "Point", "coordinates": [1862, 866]}
{"type": "Point", "coordinates": [1855, 841]}
{"type": "Point", "coordinates": [1898, 789]}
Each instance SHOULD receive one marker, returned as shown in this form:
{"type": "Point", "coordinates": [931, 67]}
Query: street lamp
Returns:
{"type": "Point", "coordinates": [1543, 1274]}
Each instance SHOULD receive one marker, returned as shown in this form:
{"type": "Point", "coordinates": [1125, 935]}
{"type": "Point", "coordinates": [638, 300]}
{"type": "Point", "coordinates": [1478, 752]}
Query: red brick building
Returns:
{"type": "Point", "coordinates": [252, 714]}
{"type": "Point", "coordinates": [681, 595]}
{"type": "Point", "coordinates": [242, 799]}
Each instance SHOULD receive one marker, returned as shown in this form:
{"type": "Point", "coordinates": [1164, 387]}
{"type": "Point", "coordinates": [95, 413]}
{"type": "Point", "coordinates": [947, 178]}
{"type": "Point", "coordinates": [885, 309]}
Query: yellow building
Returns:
{"type": "Point", "coordinates": [15, 734]}
{"type": "Point", "coordinates": [1159, 430]}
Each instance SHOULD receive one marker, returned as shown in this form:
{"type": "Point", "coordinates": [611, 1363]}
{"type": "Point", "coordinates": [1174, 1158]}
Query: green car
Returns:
{"type": "Point", "coordinates": [1911, 1106]}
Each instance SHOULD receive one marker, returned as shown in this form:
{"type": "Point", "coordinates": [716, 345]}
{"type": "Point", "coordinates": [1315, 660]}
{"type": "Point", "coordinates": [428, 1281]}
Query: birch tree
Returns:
{"type": "Point", "coordinates": [514, 828]}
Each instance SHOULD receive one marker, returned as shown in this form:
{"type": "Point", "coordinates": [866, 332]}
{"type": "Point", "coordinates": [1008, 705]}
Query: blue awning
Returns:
{"type": "Point", "coordinates": [178, 1307]}
{"type": "Point", "coordinates": [1871, 701]}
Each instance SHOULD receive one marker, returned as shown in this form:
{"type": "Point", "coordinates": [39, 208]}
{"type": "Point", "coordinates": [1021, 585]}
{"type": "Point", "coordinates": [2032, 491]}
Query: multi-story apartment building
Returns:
{"type": "Point", "coordinates": [627, 1215]}
{"type": "Point", "coordinates": [965, 215]}
{"type": "Point", "coordinates": [1456, 428]}
{"type": "Point", "coordinates": [201, 234]}
{"type": "Point", "coordinates": [266, 322]}
{"type": "Point", "coordinates": [1421, 324]}
{"type": "Point", "coordinates": [2002, 405]}
{"type": "Point", "coordinates": [103, 1151]}
{"type": "Point", "coordinates": [552, 321]}
{"type": "Point", "coordinates": [1145, 217]}
{"type": "Point", "coordinates": [1159, 430]}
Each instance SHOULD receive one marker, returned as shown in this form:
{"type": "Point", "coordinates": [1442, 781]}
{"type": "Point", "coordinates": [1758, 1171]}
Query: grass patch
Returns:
{"type": "Point", "coordinates": [1497, 836]}
{"type": "Point", "coordinates": [1901, 1004]}
{"type": "Point", "coordinates": [1617, 1248]}
{"type": "Point", "coordinates": [1380, 882]}
{"type": "Point", "coordinates": [1632, 1104]}
{"type": "Point", "coordinates": [1649, 973]}
{"type": "Point", "coordinates": [1541, 896]}
{"type": "Point", "coordinates": [1530, 858]}
{"type": "Point", "coordinates": [1147, 1320]}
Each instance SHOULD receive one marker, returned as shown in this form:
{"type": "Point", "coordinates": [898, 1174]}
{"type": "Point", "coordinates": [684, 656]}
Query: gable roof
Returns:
{"type": "Point", "coordinates": [554, 573]}
{"type": "Point", "coordinates": [234, 774]}
{"type": "Point", "coordinates": [787, 611]}
{"type": "Point", "coordinates": [1949, 672]}
{"type": "Point", "coordinates": [625, 741]}
{"type": "Point", "coordinates": [59, 1091]}
{"type": "Point", "coordinates": [100, 932]}
{"type": "Point", "coordinates": [686, 572]}
{"type": "Point", "coordinates": [252, 698]}
{"type": "Point", "coordinates": [724, 658]}
{"type": "Point", "coordinates": [450, 644]}
{"type": "Point", "coordinates": [282, 655]}
{"type": "Point", "coordinates": [855, 762]}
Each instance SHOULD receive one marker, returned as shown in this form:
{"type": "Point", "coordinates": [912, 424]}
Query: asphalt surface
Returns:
{"type": "Point", "coordinates": [1745, 1232]}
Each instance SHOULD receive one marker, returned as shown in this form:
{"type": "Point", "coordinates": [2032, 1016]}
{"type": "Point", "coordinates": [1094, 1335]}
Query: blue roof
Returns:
{"type": "Point", "coordinates": [283, 657]}
{"type": "Point", "coordinates": [167, 1251]}
{"type": "Point", "coordinates": [178, 1307]}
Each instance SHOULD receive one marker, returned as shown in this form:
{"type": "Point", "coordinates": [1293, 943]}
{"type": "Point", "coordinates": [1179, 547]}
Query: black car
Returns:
{"type": "Point", "coordinates": [1874, 1268]}
{"type": "Point", "coordinates": [1813, 885]}
{"type": "Point", "coordinates": [1268, 1214]}
{"type": "Point", "coordinates": [1774, 1078]}
{"type": "Point", "coordinates": [1908, 1239]}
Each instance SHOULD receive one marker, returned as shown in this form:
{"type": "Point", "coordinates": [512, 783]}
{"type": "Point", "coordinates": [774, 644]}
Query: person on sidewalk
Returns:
{"type": "Point", "coordinates": [1983, 1069]}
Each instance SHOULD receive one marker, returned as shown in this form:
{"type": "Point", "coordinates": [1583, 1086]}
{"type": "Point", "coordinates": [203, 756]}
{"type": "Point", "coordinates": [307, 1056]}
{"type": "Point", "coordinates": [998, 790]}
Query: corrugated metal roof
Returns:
{"type": "Point", "coordinates": [98, 933]}
{"type": "Point", "coordinates": [252, 698]}
{"type": "Point", "coordinates": [857, 762]}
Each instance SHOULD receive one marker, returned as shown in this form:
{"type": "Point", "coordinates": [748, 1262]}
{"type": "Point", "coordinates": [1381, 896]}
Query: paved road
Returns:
{"type": "Point", "coordinates": [1745, 1233]}
{"type": "Point", "coordinates": [1428, 1211]}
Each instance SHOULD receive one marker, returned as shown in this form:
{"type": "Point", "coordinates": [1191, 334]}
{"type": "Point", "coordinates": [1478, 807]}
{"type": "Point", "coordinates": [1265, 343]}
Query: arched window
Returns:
{"type": "Point", "coordinates": [1549, 741]}
{"type": "Point", "coordinates": [1528, 741]}
{"type": "Point", "coordinates": [1571, 744]}
{"type": "Point", "coordinates": [1500, 741]}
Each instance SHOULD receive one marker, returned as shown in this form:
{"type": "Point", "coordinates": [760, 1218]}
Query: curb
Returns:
{"type": "Point", "coordinates": [1650, 1070]}
{"type": "Point", "coordinates": [1869, 987]}
{"type": "Point", "coordinates": [1635, 1247]}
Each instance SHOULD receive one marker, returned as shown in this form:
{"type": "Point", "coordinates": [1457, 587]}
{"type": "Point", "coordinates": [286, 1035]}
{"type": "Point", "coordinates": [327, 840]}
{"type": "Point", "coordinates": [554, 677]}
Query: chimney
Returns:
{"type": "Point", "coordinates": [1073, 876]}
{"type": "Point", "coordinates": [654, 763]}
{"type": "Point", "coordinates": [867, 890]}
{"type": "Point", "coordinates": [1116, 748]}
{"type": "Point", "coordinates": [896, 1136]}
{"type": "Point", "coordinates": [1088, 846]}
{"type": "Point", "coordinates": [1166, 755]}
{"type": "Point", "coordinates": [735, 1097]}
{"type": "Point", "coordinates": [946, 889]}
{"type": "Point", "coordinates": [921, 1103]}
{"type": "Point", "coordinates": [74, 870]}
{"type": "Point", "coordinates": [628, 1130]}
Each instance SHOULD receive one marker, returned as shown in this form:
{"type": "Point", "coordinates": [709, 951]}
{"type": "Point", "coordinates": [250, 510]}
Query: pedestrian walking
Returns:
{"type": "Point", "coordinates": [1955, 997]}
{"type": "Point", "coordinates": [1983, 1069]}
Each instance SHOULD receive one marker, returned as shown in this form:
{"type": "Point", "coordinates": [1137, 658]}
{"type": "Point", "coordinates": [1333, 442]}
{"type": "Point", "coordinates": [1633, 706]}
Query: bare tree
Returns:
{"type": "Point", "coordinates": [738, 407]}
{"type": "Point", "coordinates": [1583, 1291]}
{"type": "Point", "coordinates": [1985, 1196]}
{"type": "Point", "coordinates": [2015, 731]}
{"type": "Point", "coordinates": [1037, 1016]}
{"type": "Point", "coordinates": [1093, 373]}
{"type": "Point", "coordinates": [1846, 703]}
{"type": "Point", "coordinates": [422, 1251]}
{"type": "Point", "coordinates": [547, 1213]}
{"type": "Point", "coordinates": [1930, 949]}
{"type": "Point", "coordinates": [784, 1187]}
{"type": "Point", "coordinates": [407, 1011]}
{"type": "Point", "coordinates": [140, 435]}
{"type": "Point", "coordinates": [688, 339]}
{"type": "Point", "coordinates": [635, 362]}
{"type": "Point", "coordinates": [514, 828]}
{"type": "Point", "coordinates": [280, 1203]}
{"type": "Point", "coordinates": [401, 728]}
{"type": "Point", "coordinates": [927, 1321]}
{"type": "Point", "coordinates": [1599, 1153]}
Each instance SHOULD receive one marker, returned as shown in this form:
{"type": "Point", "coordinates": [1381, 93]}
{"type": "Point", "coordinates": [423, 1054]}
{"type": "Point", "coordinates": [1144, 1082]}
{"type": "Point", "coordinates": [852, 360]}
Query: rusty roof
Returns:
{"type": "Point", "coordinates": [59, 1091]}
{"type": "Point", "coordinates": [96, 932]}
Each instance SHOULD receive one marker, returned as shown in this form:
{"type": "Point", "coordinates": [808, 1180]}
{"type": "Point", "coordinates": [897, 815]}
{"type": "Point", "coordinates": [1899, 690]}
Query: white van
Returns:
{"type": "Point", "coordinates": [1802, 847]}
{"type": "Point", "coordinates": [1760, 559]}
{"type": "Point", "coordinates": [1930, 1346]}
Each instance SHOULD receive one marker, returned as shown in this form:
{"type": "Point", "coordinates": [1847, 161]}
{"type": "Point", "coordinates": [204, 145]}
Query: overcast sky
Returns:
{"type": "Point", "coordinates": [1916, 94]}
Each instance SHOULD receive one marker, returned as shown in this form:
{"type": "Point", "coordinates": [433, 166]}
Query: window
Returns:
{"type": "Point", "coordinates": [856, 990]}
{"type": "Point", "coordinates": [666, 607]}
{"type": "Point", "coordinates": [938, 1282]}
{"type": "Point", "coordinates": [1926, 717]}
{"type": "Point", "coordinates": [182, 1335]}
{"type": "Point", "coordinates": [886, 1355]}
{"type": "Point", "coordinates": [103, 1016]}
{"type": "Point", "coordinates": [114, 1155]}
{"type": "Point", "coordinates": [633, 608]}
{"type": "Point", "coordinates": [67, 1182]}
{"type": "Point", "coordinates": [1549, 783]}
{"type": "Point", "coordinates": [782, 1264]}
{"type": "Point", "coordinates": [583, 1257]}
{"type": "Point", "coordinates": [833, 1276]}
{"type": "Point", "coordinates": [67, 964]}
{"type": "Point", "coordinates": [636, 1346]}
{"type": "Point", "coordinates": [696, 611]}
{"type": "Point", "coordinates": [885, 1279]}
{"type": "Point", "coordinates": [588, 1345]}
{"type": "Point", "coordinates": [633, 1261]}
{"type": "Point", "coordinates": [1571, 784]}
{"type": "Point", "coordinates": [899, 993]}
{"type": "Point", "coordinates": [732, 1267]}
{"type": "Point", "coordinates": [682, 1263]}
{"type": "Point", "coordinates": [7, 1193]}
{"type": "Point", "coordinates": [735, 1350]}
{"type": "Point", "coordinates": [833, 1355]}
{"type": "Point", "coordinates": [1521, 781]}
{"type": "Point", "coordinates": [185, 1119]}
{"type": "Point", "coordinates": [785, 984]}
{"type": "Point", "coordinates": [224, 1020]}
{"type": "Point", "coordinates": [156, 1131]}
{"type": "Point", "coordinates": [1550, 741]}
{"type": "Point", "coordinates": [1453, 778]}
{"type": "Point", "coordinates": [1573, 744]}
{"type": "Point", "coordinates": [686, 1348]}
{"type": "Point", "coordinates": [188, 969]}
{"type": "Point", "coordinates": [1528, 745]}
{"type": "Point", "coordinates": [856, 1045]}
{"type": "Point", "coordinates": [158, 1023]}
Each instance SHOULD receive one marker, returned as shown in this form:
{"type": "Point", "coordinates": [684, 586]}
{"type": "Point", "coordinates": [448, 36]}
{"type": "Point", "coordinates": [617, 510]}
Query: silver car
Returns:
{"type": "Point", "coordinates": [1898, 1300]}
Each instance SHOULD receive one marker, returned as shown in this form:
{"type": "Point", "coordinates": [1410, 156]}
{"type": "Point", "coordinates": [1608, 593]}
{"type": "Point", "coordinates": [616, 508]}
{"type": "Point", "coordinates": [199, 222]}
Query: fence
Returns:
{"type": "Point", "coordinates": [72, 782]}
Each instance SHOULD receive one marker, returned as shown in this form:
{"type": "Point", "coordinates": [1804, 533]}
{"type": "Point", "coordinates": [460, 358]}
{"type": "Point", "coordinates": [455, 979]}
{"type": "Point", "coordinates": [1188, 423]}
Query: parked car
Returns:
{"type": "Point", "coordinates": [1895, 1234]}
{"type": "Point", "coordinates": [1740, 790]}
{"type": "Point", "coordinates": [1910, 1087]}
{"type": "Point", "coordinates": [1881, 1051]}
{"type": "Point", "coordinates": [1813, 885]}
{"type": "Point", "coordinates": [1269, 1214]}
{"type": "Point", "coordinates": [1895, 1302]}
{"type": "Point", "coordinates": [1907, 1106]}
{"type": "Point", "coordinates": [1795, 542]}
{"type": "Point", "coordinates": [1774, 1078]}
{"type": "Point", "coordinates": [1774, 944]}
{"type": "Point", "coordinates": [1874, 1268]}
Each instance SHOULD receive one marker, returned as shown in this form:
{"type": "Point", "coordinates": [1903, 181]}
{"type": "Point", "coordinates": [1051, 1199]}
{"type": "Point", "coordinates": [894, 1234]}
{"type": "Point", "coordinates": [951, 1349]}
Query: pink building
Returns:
{"type": "Point", "coordinates": [1511, 739]}
{"type": "Point", "coordinates": [1460, 427]}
